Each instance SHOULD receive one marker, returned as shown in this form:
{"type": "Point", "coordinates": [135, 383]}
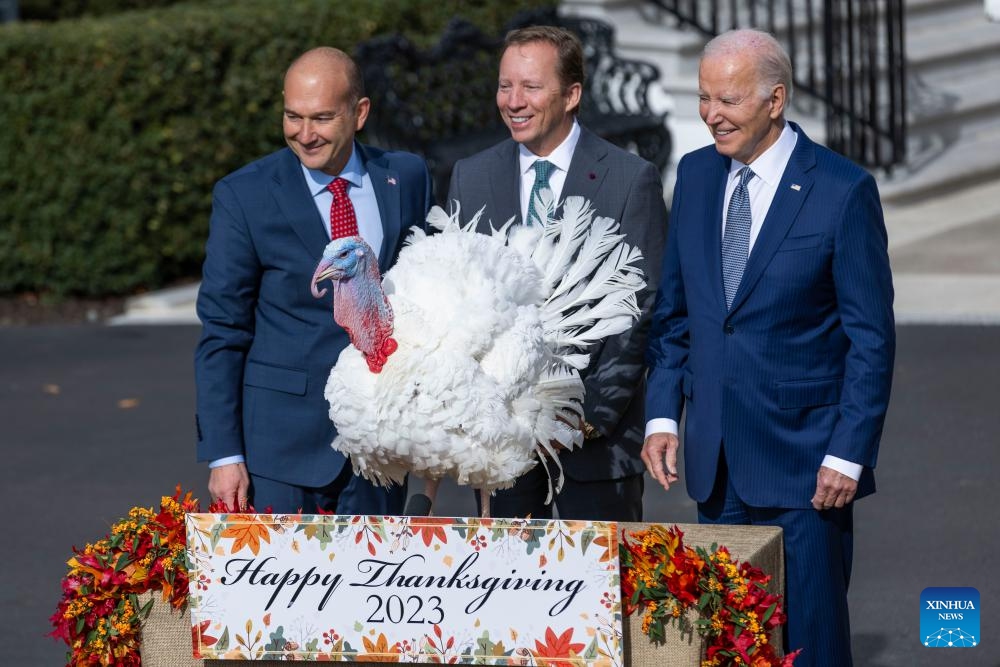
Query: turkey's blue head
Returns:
{"type": "Point", "coordinates": [359, 304]}
{"type": "Point", "coordinates": [343, 259]}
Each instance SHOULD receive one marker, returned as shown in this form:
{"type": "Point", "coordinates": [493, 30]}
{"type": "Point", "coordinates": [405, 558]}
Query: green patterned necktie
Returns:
{"type": "Point", "coordinates": [543, 169]}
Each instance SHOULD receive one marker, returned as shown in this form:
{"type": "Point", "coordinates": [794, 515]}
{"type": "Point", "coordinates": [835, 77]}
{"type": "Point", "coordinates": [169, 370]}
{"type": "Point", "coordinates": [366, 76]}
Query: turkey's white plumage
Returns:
{"type": "Point", "coordinates": [492, 331]}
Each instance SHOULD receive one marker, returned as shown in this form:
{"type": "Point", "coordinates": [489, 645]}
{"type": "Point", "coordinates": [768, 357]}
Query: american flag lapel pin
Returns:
{"type": "Point", "coordinates": [796, 187]}
{"type": "Point", "coordinates": [391, 180]}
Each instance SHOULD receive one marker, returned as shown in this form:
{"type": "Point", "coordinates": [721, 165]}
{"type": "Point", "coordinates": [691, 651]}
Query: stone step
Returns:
{"type": "Point", "coordinates": [957, 157]}
{"type": "Point", "coordinates": [923, 224]}
{"type": "Point", "coordinates": [941, 46]}
{"type": "Point", "coordinates": [926, 14]}
{"type": "Point", "coordinates": [966, 98]}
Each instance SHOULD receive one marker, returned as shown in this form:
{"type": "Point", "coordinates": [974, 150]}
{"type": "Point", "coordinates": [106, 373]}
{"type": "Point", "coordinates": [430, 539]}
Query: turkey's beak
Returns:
{"type": "Point", "coordinates": [325, 270]}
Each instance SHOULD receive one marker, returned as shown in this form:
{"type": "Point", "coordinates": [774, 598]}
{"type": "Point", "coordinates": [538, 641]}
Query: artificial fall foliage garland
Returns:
{"type": "Point", "coordinates": [735, 613]}
{"type": "Point", "coordinates": [99, 616]}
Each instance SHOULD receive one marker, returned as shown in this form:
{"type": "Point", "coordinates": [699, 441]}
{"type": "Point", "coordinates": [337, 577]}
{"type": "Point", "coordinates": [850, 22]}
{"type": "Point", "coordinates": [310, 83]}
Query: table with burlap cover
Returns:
{"type": "Point", "coordinates": [166, 634]}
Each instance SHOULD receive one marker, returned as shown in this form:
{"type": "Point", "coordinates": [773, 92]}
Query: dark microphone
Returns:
{"type": "Point", "coordinates": [418, 505]}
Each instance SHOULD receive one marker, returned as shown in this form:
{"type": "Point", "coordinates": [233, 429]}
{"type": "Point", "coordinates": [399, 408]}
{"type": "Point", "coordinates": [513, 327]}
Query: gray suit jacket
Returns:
{"type": "Point", "coordinates": [627, 188]}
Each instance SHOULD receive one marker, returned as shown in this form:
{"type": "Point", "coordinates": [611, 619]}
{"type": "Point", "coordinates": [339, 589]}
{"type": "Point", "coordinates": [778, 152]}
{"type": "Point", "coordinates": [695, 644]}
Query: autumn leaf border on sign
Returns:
{"type": "Point", "coordinates": [246, 530]}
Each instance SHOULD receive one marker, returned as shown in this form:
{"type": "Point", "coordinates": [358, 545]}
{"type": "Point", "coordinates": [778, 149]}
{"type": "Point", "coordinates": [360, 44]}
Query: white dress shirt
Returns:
{"type": "Point", "coordinates": [560, 159]}
{"type": "Point", "coordinates": [362, 195]}
{"type": "Point", "coordinates": [768, 169]}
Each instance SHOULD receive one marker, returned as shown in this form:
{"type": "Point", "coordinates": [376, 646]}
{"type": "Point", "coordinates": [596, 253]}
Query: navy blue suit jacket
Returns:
{"type": "Point", "coordinates": [267, 345]}
{"type": "Point", "coordinates": [801, 366]}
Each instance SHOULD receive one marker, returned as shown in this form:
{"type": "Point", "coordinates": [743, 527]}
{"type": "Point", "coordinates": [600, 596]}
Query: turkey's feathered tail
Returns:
{"type": "Point", "coordinates": [590, 281]}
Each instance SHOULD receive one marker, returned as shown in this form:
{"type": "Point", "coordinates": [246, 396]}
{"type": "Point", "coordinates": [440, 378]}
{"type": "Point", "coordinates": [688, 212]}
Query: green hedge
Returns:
{"type": "Point", "coordinates": [115, 129]}
{"type": "Point", "coordinates": [57, 10]}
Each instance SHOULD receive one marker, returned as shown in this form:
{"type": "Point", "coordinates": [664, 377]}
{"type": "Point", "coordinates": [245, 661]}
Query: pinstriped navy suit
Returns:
{"type": "Point", "coordinates": [799, 368]}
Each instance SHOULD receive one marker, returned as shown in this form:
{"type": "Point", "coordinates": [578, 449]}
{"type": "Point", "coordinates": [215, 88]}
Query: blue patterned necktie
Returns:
{"type": "Point", "coordinates": [543, 169]}
{"type": "Point", "coordinates": [736, 241]}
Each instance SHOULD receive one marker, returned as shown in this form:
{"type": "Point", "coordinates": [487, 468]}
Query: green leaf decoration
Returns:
{"type": "Point", "coordinates": [462, 529]}
{"type": "Point", "coordinates": [769, 613]}
{"type": "Point", "coordinates": [277, 639]}
{"type": "Point", "coordinates": [533, 542]}
{"type": "Point", "coordinates": [590, 653]}
{"type": "Point", "coordinates": [321, 531]}
{"type": "Point", "coordinates": [122, 562]}
{"type": "Point", "coordinates": [146, 608]}
{"type": "Point", "coordinates": [485, 644]}
{"type": "Point", "coordinates": [216, 535]}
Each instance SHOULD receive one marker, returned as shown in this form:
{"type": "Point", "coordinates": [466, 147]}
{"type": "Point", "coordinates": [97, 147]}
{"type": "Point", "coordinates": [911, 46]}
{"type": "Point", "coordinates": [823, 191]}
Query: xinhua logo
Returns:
{"type": "Point", "coordinates": [949, 617]}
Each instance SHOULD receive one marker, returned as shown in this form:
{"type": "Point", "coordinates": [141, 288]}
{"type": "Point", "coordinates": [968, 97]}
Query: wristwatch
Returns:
{"type": "Point", "coordinates": [590, 432]}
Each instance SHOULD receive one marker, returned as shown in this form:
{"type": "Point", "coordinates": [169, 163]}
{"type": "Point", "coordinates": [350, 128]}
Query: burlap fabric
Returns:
{"type": "Point", "coordinates": [760, 545]}
{"type": "Point", "coordinates": [166, 635]}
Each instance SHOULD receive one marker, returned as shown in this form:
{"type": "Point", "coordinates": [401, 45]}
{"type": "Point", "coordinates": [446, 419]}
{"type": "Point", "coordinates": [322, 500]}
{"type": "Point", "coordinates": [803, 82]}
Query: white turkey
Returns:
{"type": "Point", "coordinates": [465, 359]}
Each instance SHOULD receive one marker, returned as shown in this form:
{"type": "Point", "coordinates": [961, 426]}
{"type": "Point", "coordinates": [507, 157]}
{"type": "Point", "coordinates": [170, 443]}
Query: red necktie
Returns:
{"type": "Point", "coordinates": [343, 221]}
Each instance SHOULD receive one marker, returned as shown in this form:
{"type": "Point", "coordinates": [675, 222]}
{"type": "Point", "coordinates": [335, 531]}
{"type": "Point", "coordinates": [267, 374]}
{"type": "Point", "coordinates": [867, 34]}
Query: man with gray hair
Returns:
{"type": "Point", "coordinates": [773, 330]}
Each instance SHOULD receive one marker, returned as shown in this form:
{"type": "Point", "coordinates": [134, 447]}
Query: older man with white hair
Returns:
{"type": "Point", "coordinates": [773, 330]}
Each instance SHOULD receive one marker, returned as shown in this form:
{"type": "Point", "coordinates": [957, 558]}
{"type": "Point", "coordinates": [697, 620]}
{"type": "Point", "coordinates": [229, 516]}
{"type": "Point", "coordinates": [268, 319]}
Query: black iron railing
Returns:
{"type": "Point", "coordinates": [848, 54]}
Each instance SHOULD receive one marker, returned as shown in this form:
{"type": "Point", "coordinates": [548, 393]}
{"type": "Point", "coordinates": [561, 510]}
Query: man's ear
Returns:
{"type": "Point", "coordinates": [361, 110]}
{"type": "Point", "coordinates": [573, 95]}
{"type": "Point", "coordinates": [779, 95]}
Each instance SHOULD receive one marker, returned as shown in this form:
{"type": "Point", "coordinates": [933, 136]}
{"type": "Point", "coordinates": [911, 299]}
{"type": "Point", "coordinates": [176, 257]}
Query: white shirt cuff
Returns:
{"type": "Point", "coordinates": [852, 470]}
{"type": "Point", "coordinates": [661, 425]}
{"type": "Point", "coordinates": [227, 461]}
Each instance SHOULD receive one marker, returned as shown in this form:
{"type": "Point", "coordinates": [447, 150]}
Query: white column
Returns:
{"type": "Point", "coordinates": [992, 9]}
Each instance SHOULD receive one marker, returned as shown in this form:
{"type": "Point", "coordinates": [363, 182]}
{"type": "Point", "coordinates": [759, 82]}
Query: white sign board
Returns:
{"type": "Point", "coordinates": [404, 589]}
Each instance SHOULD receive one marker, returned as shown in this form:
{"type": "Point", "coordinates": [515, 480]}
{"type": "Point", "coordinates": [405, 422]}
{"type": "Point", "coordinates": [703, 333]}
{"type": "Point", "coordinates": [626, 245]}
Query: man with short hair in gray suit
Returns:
{"type": "Point", "coordinates": [539, 91]}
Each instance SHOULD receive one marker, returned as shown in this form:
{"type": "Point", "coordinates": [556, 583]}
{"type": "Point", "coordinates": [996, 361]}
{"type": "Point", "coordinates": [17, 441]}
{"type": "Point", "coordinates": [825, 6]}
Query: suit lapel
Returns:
{"type": "Point", "coordinates": [780, 217]}
{"type": "Point", "coordinates": [716, 196]}
{"type": "Point", "coordinates": [296, 203]}
{"type": "Point", "coordinates": [385, 182]}
{"type": "Point", "coordinates": [587, 169]}
{"type": "Point", "coordinates": [505, 187]}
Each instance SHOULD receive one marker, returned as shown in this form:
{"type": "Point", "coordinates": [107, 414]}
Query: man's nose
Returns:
{"type": "Point", "coordinates": [306, 131]}
{"type": "Point", "coordinates": [515, 99]}
{"type": "Point", "coordinates": [711, 110]}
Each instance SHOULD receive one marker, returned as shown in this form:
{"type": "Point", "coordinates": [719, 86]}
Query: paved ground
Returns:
{"type": "Point", "coordinates": [97, 419]}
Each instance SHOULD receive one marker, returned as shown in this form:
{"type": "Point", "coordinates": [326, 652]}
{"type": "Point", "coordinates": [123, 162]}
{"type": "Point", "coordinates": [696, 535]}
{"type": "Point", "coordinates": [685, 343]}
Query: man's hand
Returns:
{"type": "Point", "coordinates": [833, 489]}
{"type": "Point", "coordinates": [230, 484]}
{"type": "Point", "coordinates": [558, 446]}
{"type": "Point", "coordinates": [660, 449]}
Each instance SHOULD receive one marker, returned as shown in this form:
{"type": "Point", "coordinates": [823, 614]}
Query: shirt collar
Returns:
{"type": "Point", "coordinates": [560, 157]}
{"type": "Point", "coordinates": [353, 172]}
{"type": "Point", "coordinates": [770, 165]}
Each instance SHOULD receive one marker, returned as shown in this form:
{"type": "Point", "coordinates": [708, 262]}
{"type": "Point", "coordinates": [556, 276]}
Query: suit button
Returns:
{"type": "Point", "coordinates": [730, 329]}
